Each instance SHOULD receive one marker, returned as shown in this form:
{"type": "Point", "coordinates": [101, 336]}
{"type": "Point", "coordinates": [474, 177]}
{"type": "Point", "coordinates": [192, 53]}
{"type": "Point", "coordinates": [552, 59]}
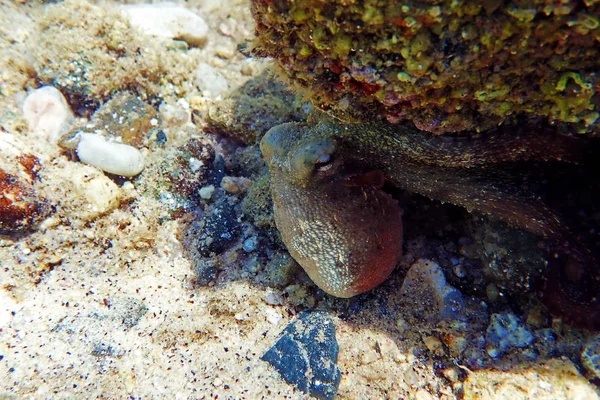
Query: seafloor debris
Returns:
{"type": "Point", "coordinates": [306, 354]}
{"type": "Point", "coordinates": [20, 207]}
{"type": "Point", "coordinates": [115, 158]}
{"type": "Point", "coordinates": [505, 332]}
{"type": "Point", "coordinates": [590, 357]}
{"type": "Point", "coordinates": [47, 113]}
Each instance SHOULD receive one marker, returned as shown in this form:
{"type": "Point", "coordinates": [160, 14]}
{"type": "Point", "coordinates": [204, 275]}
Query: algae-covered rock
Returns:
{"type": "Point", "coordinates": [90, 52]}
{"type": "Point", "coordinates": [446, 65]}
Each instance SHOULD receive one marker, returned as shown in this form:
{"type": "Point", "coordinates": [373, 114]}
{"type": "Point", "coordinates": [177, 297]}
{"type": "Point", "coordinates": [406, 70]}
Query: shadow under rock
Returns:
{"type": "Point", "coordinates": [498, 270]}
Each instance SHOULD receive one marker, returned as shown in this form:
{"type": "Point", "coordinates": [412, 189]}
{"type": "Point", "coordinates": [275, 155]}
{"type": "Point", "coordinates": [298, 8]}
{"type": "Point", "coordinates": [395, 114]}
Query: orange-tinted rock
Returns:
{"type": "Point", "coordinates": [20, 208]}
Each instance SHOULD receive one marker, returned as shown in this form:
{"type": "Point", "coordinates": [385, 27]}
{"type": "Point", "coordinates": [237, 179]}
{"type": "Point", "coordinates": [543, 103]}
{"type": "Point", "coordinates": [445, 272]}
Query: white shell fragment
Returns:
{"type": "Point", "coordinates": [168, 20]}
{"type": "Point", "coordinates": [47, 112]}
{"type": "Point", "coordinates": [111, 157]}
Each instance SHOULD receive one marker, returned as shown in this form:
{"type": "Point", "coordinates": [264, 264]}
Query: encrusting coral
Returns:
{"type": "Point", "coordinates": [445, 65]}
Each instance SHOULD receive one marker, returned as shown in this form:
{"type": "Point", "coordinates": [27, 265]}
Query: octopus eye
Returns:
{"type": "Point", "coordinates": [324, 162]}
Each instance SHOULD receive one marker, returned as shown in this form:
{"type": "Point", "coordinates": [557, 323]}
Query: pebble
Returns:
{"type": "Point", "coordinates": [460, 271]}
{"type": "Point", "coordinates": [504, 333]}
{"type": "Point", "coordinates": [20, 206]}
{"type": "Point", "coordinates": [167, 20]}
{"type": "Point", "coordinates": [389, 350]}
{"type": "Point", "coordinates": [47, 113]}
{"type": "Point", "coordinates": [452, 374]}
{"type": "Point", "coordinates": [273, 316]}
{"type": "Point", "coordinates": [206, 192]}
{"type": "Point", "coordinates": [219, 229]}
{"type": "Point", "coordinates": [124, 119]}
{"type": "Point", "coordinates": [96, 194]}
{"type": "Point", "coordinates": [425, 284]}
{"type": "Point", "coordinates": [492, 292]}
{"type": "Point", "coordinates": [235, 185]}
{"type": "Point", "coordinates": [273, 299]}
{"type": "Point", "coordinates": [305, 355]}
{"type": "Point", "coordinates": [250, 244]}
{"type": "Point", "coordinates": [115, 158]}
{"type": "Point", "coordinates": [590, 357]}
{"type": "Point", "coordinates": [195, 164]}
{"type": "Point", "coordinates": [434, 345]}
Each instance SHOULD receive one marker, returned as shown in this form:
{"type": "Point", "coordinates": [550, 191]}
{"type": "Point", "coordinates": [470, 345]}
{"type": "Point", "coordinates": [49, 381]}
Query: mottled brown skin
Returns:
{"type": "Point", "coordinates": [345, 233]}
{"type": "Point", "coordinates": [320, 210]}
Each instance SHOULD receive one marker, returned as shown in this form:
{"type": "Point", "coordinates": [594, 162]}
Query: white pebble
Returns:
{"type": "Point", "coordinates": [47, 112]}
{"type": "Point", "coordinates": [167, 20]}
{"type": "Point", "coordinates": [206, 192]}
{"type": "Point", "coordinates": [114, 158]}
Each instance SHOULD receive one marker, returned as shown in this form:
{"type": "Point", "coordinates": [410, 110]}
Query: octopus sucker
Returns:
{"type": "Point", "coordinates": [341, 168]}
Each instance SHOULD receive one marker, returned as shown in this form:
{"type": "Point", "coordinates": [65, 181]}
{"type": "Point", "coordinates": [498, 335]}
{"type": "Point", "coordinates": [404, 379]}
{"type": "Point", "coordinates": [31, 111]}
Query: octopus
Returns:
{"type": "Point", "coordinates": [345, 230]}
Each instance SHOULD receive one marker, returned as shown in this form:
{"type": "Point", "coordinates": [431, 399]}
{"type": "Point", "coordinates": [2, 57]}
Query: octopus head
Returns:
{"type": "Point", "coordinates": [335, 221]}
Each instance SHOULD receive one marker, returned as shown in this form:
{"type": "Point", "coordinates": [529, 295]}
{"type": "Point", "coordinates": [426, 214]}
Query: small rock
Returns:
{"type": "Point", "coordinates": [590, 357]}
{"type": "Point", "coordinates": [273, 299]}
{"type": "Point", "coordinates": [402, 325]}
{"type": "Point", "coordinates": [456, 344]}
{"type": "Point", "coordinates": [273, 316]}
{"type": "Point", "coordinates": [168, 20]}
{"type": "Point", "coordinates": [434, 345]}
{"type": "Point", "coordinates": [220, 228]}
{"type": "Point", "coordinates": [20, 207]}
{"type": "Point", "coordinates": [206, 192]}
{"type": "Point", "coordinates": [195, 164]}
{"type": "Point", "coordinates": [426, 288]}
{"type": "Point", "coordinates": [93, 194]}
{"type": "Point", "coordinates": [47, 112]}
{"type": "Point", "coordinates": [250, 244]}
{"type": "Point", "coordinates": [235, 185]}
{"type": "Point", "coordinates": [225, 51]}
{"type": "Point", "coordinates": [505, 333]}
{"type": "Point", "coordinates": [123, 119]}
{"type": "Point", "coordinates": [305, 355]}
{"type": "Point", "coordinates": [205, 273]}
{"type": "Point", "coordinates": [369, 356]}
{"type": "Point", "coordinates": [115, 158]}
{"type": "Point", "coordinates": [389, 350]}
{"type": "Point", "coordinates": [423, 394]}
{"type": "Point", "coordinates": [452, 374]}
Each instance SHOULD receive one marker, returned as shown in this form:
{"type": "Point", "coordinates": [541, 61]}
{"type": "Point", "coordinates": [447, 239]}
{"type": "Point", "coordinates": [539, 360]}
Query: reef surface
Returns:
{"type": "Point", "coordinates": [445, 65]}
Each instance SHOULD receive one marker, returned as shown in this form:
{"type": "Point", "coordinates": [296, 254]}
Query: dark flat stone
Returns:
{"type": "Point", "coordinates": [305, 355]}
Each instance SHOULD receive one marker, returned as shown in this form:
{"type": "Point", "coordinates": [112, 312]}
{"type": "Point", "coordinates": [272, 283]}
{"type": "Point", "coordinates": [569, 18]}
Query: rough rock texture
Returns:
{"type": "Point", "coordinates": [20, 206]}
{"type": "Point", "coordinates": [445, 65]}
{"type": "Point", "coordinates": [306, 355]}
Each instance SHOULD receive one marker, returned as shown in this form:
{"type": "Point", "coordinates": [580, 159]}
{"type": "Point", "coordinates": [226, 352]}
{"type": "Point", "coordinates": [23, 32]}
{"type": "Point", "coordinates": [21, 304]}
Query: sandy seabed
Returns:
{"type": "Point", "coordinates": [102, 299]}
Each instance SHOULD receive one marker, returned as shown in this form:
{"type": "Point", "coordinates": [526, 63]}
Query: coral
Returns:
{"type": "Point", "coordinates": [445, 65]}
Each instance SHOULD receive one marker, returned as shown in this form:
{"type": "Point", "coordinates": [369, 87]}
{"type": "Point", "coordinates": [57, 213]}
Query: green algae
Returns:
{"type": "Point", "coordinates": [445, 65]}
